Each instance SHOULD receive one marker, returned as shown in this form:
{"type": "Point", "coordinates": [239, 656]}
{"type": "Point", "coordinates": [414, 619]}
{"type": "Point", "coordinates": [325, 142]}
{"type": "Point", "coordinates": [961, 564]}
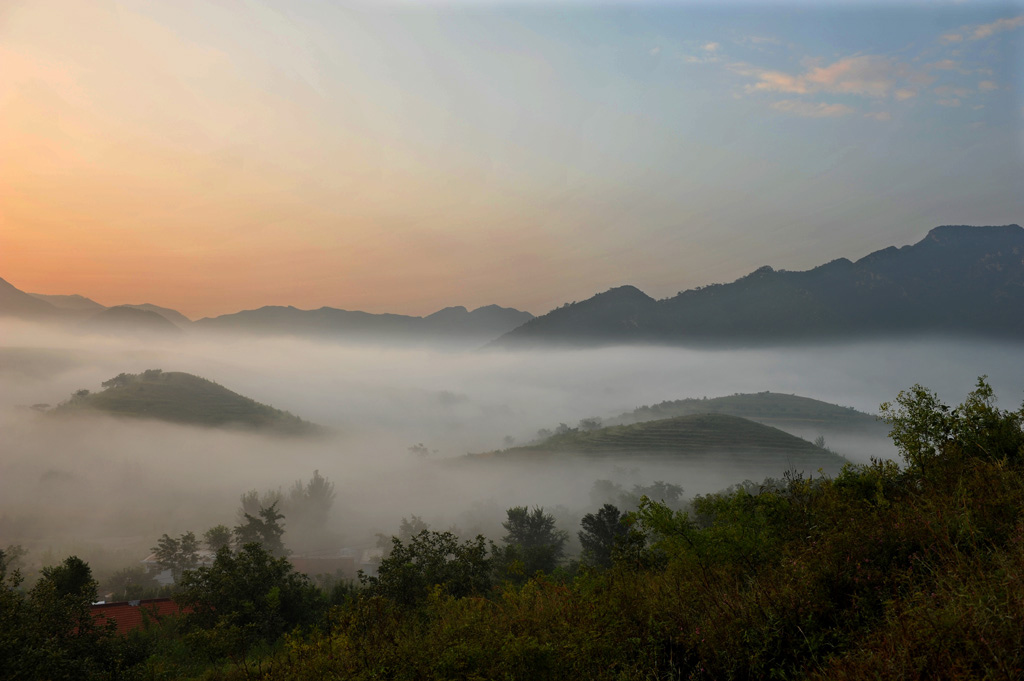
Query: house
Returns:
{"type": "Point", "coordinates": [133, 614]}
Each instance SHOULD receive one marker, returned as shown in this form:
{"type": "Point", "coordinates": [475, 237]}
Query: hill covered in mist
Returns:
{"type": "Point", "coordinates": [713, 439]}
{"type": "Point", "coordinates": [775, 409]}
{"type": "Point", "coordinates": [958, 280]}
{"type": "Point", "coordinates": [178, 397]}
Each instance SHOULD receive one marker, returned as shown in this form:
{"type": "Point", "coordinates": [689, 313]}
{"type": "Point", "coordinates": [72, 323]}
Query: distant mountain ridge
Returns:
{"type": "Point", "coordinates": [480, 325]}
{"type": "Point", "coordinates": [455, 323]}
{"type": "Point", "coordinates": [958, 280]}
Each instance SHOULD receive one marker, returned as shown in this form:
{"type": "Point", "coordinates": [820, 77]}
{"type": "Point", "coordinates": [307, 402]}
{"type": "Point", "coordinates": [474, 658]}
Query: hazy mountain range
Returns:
{"type": "Point", "coordinates": [455, 324]}
{"type": "Point", "coordinates": [958, 280]}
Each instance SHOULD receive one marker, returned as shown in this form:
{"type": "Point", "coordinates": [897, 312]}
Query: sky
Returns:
{"type": "Point", "coordinates": [213, 156]}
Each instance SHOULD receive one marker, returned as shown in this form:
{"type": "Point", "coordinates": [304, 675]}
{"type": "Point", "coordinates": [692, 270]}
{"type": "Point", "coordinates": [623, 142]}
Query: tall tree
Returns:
{"type": "Point", "coordinates": [265, 530]}
{"type": "Point", "coordinates": [601, 532]}
{"type": "Point", "coordinates": [533, 544]}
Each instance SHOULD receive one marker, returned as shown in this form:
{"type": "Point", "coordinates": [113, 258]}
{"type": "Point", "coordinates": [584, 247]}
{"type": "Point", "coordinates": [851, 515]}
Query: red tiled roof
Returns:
{"type": "Point", "coordinates": [129, 614]}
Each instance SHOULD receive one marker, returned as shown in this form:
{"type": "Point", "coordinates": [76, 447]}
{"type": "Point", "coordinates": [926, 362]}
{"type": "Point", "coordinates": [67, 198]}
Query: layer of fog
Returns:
{"type": "Point", "coordinates": [107, 488]}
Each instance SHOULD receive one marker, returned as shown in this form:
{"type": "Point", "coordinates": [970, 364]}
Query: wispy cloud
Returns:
{"type": "Point", "coordinates": [879, 115]}
{"type": "Point", "coordinates": [982, 31]}
{"type": "Point", "coordinates": [953, 102]}
{"type": "Point", "coordinates": [866, 75]}
{"type": "Point", "coordinates": [987, 86]}
{"type": "Point", "coordinates": [811, 109]}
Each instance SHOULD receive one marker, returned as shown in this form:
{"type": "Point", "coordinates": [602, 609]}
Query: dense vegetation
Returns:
{"type": "Point", "coordinates": [883, 571]}
{"type": "Point", "coordinates": [183, 398]}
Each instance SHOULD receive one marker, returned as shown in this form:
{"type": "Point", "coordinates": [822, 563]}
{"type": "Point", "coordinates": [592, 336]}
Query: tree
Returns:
{"type": "Point", "coordinates": [217, 537]}
{"type": "Point", "coordinates": [177, 555]}
{"type": "Point", "coordinates": [265, 530]}
{"type": "Point", "coordinates": [601, 534]}
{"type": "Point", "coordinates": [430, 559]}
{"type": "Point", "coordinates": [65, 641]}
{"type": "Point", "coordinates": [532, 543]}
{"type": "Point", "coordinates": [246, 597]}
{"type": "Point", "coordinates": [132, 583]}
{"type": "Point", "coordinates": [927, 432]}
{"type": "Point", "coordinates": [12, 558]}
{"type": "Point", "coordinates": [309, 505]}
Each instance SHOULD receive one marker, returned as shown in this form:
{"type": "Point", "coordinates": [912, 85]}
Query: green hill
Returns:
{"type": "Point", "coordinates": [697, 438]}
{"type": "Point", "coordinates": [178, 397]}
{"type": "Point", "coordinates": [775, 409]}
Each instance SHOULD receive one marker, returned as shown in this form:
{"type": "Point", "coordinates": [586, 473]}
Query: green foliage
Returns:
{"type": "Point", "coordinates": [532, 544]}
{"type": "Point", "coordinates": [217, 537]}
{"type": "Point", "coordinates": [177, 555]}
{"type": "Point", "coordinates": [265, 530]}
{"type": "Point", "coordinates": [431, 560]}
{"type": "Point", "coordinates": [246, 598]}
{"type": "Point", "coordinates": [49, 632]}
{"type": "Point", "coordinates": [602, 532]}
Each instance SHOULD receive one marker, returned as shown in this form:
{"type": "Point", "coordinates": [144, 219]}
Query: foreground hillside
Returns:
{"type": "Point", "coordinates": [178, 397]}
{"type": "Point", "coordinates": [958, 280]}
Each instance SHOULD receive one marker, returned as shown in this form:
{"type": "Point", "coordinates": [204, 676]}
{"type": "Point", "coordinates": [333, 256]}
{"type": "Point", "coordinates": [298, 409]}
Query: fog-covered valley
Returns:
{"type": "Point", "coordinates": [106, 488]}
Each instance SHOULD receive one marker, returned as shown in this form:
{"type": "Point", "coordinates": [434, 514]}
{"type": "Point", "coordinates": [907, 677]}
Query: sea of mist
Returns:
{"type": "Point", "coordinates": [107, 488]}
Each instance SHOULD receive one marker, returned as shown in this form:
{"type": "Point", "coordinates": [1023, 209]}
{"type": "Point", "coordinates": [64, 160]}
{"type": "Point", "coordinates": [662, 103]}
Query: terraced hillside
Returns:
{"type": "Point", "coordinates": [783, 411]}
{"type": "Point", "coordinates": [178, 397]}
{"type": "Point", "coordinates": [712, 439]}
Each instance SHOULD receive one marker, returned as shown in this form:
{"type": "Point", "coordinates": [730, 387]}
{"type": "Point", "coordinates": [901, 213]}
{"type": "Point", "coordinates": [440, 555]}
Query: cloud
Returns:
{"type": "Point", "coordinates": [904, 93]}
{"type": "Point", "coordinates": [879, 115]}
{"type": "Point", "coordinates": [982, 31]}
{"type": "Point", "coordinates": [655, 51]}
{"type": "Point", "coordinates": [811, 109]}
{"type": "Point", "coordinates": [866, 76]}
{"type": "Point", "coordinates": [945, 65]}
{"type": "Point", "coordinates": [954, 102]}
{"type": "Point", "coordinates": [987, 86]}
{"type": "Point", "coordinates": [997, 26]}
{"type": "Point", "coordinates": [711, 47]}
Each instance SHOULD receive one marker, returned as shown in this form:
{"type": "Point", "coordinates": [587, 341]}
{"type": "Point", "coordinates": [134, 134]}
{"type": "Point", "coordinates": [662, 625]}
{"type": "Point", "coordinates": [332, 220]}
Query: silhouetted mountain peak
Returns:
{"type": "Point", "coordinates": [455, 311]}
{"type": "Point", "coordinates": [951, 235]}
{"type": "Point", "coordinates": [621, 294]}
{"type": "Point", "coordinates": [957, 280]}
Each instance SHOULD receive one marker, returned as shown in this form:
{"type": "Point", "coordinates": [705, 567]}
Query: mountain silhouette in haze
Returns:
{"type": "Point", "coordinates": [131, 319]}
{"type": "Point", "coordinates": [958, 280]}
{"type": "Point", "coordinates": [452, 323]}
{"type": "Point", "coordinates": [16, 303]}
